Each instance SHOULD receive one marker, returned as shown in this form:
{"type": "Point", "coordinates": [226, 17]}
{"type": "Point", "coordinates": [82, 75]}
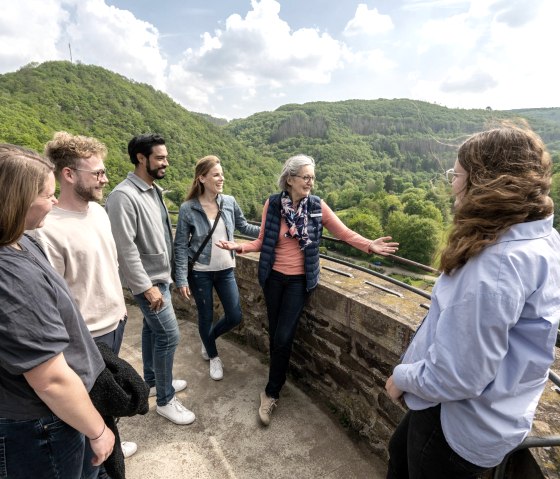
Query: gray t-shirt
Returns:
{"type": "Point", "coordinates": [38, 320]}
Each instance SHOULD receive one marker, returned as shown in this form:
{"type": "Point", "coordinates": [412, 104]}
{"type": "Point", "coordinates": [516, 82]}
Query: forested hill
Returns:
{"type": "Point", "coordinates": [361, 141]}
{"type": "Point", "coordinates": [38, 100]}
{"type": "Point", "coordinates": [379, 162]}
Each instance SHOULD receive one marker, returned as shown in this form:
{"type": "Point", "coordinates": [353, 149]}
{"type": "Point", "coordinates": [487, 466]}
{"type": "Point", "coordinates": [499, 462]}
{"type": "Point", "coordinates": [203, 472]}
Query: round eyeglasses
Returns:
{"type": "Point", "coordinates": [451, 174]}
{"type": "Point", "coordinates": [306, 178]}
{"type": "Point", "coordinates": [98, 173]}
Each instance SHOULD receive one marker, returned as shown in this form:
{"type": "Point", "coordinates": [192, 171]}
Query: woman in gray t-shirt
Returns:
{"type": "Point", "coordinates": [48, 360]}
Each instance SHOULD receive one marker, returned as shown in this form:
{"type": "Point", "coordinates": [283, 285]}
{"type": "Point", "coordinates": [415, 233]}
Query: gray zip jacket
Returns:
{"type": "Point", "coordinates": [193, 226]}
{"type": "Point", "coordinates": [136, 220]}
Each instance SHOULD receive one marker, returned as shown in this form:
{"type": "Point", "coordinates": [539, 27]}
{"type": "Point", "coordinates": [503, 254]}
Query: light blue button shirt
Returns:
{"type": "Point", "coordinates": [487, 343]}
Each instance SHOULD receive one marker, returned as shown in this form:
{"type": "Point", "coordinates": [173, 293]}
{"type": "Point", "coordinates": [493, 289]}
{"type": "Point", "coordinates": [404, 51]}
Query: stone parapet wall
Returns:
{"type": "Point", "coordinates": [349, 339]}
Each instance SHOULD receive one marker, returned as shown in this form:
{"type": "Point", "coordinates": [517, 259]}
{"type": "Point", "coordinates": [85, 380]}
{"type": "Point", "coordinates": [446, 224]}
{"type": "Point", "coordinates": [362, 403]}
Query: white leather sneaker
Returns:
{"type": "Point", "coordinates": [178, 385]}
{"type": "Point", "coordinates": [216, 369]}
{"type": "Point", "coordinates": [176, 412]}
{"type": "Point", "coordinates": [128, 448]}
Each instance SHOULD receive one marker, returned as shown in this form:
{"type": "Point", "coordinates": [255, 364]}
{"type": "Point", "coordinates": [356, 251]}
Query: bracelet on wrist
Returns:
{"type": "Point", "coordinates": [96, 438]}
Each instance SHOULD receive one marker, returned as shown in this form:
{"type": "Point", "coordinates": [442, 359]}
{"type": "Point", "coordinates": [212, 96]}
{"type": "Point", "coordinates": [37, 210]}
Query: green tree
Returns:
{"type": "Point", "coordinates": [555, 195]}
{"type": "Point", "coordinates": [419, 238]}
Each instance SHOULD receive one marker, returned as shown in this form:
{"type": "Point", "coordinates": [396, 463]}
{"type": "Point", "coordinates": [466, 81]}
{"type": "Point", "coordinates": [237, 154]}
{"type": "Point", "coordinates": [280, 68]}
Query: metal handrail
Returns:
{"type": "Point", "coordinates": [368, 270]}
{"type": "Point", "coordinates": [398, 259]}
{"type": "Point", "coordinates": [529, 442]}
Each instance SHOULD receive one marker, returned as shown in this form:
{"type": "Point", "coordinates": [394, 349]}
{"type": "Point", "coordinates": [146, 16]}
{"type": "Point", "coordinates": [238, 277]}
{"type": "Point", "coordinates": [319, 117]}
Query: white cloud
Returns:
{"type": "Point", "coordinates": [468, 82]}
{"type": "Point", "coordinates": [41, 30]}
{"type": "Point", "coordinates": [257, 55]}
{"type": "Point", "coordinates": [30, 32]}
{"type": "Point", "coordinates": [117, 40]}
{"type": "Point", "coordinates": [467, 53]}
{"type": "Point", "coordinates": [375, 60]}
{"type": "Point", "coordinates": [515, 13]}
{"type": "Point", "coordinates": [368, 22]}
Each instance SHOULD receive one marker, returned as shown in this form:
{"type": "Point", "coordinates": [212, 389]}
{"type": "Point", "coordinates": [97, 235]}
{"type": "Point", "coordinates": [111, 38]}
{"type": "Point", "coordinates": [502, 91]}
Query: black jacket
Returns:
{"type": "Point", "coordinates": [118, 391]}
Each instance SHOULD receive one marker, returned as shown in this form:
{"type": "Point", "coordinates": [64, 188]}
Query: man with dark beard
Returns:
{"type": "Point", "coordinates": [78, 242]}
{"type": "Point", "coordinates": [142, 231]}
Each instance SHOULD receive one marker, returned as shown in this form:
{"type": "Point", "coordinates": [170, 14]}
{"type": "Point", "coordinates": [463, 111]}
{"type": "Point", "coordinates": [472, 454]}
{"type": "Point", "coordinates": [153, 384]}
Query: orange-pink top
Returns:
{"type": "Point", "coordinates": [289, 258]}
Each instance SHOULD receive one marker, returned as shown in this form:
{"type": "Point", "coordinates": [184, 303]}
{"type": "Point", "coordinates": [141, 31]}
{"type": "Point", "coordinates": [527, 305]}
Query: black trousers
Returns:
{"type": "Point", "coordinates": [285, 297]}
{"type": "Point", "coordinates": [418, 450]}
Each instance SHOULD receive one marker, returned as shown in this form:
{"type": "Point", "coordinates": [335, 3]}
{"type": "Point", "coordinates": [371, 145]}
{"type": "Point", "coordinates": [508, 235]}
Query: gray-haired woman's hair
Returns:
{"type": "Point", "coordinates": [292, 167]}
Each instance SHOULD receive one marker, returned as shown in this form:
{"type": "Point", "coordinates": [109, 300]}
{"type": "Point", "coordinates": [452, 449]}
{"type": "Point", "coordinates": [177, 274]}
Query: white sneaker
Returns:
{"type": "Point", "coordinates": [128, 448]}
{"type": "Point", "coordinates": [204, 353]}
{"type": "Point", "coordinates": [176, 412]}
{"type": "Point", "coordinates": [216, 369]}
{"type": "Point", "coordinates": [178, 385]}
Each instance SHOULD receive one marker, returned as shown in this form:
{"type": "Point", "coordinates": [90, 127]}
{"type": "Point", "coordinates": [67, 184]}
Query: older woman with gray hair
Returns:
{"type": "Point", "coordinates": [291, 229]}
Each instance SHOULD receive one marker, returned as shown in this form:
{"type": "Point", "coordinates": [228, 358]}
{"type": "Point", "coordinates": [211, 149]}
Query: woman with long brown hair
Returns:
{"type": "Point", "coordinates": [478, 364]}
{"type": "Point", "coordinates": [206, 217]}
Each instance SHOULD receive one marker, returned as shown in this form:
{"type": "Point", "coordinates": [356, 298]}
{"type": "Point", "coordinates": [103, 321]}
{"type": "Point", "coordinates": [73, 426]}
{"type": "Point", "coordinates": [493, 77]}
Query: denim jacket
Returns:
{"type": "Point", "coordinates": [192, 227]}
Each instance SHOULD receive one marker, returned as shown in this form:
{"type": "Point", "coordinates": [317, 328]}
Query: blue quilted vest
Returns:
{"type": "Point", "coordinates": [272, 231]}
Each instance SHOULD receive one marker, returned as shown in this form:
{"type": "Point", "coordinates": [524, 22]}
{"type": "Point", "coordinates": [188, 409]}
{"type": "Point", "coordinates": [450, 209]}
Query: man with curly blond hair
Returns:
{"type": "Point", "coordinates": [78, 241]}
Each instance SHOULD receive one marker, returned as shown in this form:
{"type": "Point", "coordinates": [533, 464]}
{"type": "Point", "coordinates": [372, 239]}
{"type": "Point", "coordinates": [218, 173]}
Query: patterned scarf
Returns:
{"type": "Point", "coordinates": [296, 219]}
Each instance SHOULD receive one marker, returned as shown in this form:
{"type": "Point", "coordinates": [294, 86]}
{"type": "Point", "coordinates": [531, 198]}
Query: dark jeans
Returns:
{"type": "Point", "coordinates": [44, 448]}
{"type": "Point", "coordinates": [418, 450]}
{"type": "Point", "coordinates": [201, 284]}
{"type": "Point", "coordinates": [285, 297]}
{"type": "Point", "coordinates": [114, 339]}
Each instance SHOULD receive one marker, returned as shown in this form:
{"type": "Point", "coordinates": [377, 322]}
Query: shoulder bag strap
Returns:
{"type": "Point", "coordinates": [210, 233]}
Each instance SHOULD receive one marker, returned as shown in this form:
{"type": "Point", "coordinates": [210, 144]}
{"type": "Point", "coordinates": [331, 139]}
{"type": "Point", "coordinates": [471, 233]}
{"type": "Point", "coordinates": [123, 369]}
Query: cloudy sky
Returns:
{"type": "Point", "coordinates": [232, 58]}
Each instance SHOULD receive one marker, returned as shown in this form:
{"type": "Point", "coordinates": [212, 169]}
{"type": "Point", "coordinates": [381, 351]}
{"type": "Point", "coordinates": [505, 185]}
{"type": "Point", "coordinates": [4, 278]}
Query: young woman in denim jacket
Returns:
{"type": "Point", "coordinates": [214, 268]}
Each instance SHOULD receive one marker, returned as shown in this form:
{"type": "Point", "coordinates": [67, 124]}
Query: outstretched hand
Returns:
{"type": "Point", "coordinates": [383, 246]}
{"type": "Point", "coordinates": [229, 245]}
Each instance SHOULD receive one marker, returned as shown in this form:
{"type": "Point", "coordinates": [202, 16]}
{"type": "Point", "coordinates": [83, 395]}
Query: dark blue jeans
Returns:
{"type": "Point", "coordinates": [114, 339]}
{"type": "Point", "coordinates": [201, 284]}
{"type": "Point", "coordinates": [160, 337]}
{"type": "Point", "coordinates": [419, 450]}
{"type": "Point", "coordinates": [285, 297]}
{"type": "Point", "coordinates": [45, 448]}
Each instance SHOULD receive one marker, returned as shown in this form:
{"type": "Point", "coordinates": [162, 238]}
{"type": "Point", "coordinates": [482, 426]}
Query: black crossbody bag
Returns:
{"type": "Point", "coordinates": [193, 260]}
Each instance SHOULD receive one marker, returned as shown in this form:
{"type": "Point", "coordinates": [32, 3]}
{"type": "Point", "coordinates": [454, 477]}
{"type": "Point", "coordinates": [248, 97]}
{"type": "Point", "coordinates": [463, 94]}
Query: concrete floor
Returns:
{"type": "Point", "coordinates": [227, 440]}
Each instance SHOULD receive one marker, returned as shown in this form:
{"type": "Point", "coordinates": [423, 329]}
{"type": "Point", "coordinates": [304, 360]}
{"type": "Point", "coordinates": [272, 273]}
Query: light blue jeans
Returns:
{"type": "Point", "coordinates": [160, 337]}
{"type": "Point", "coordinates": [202, 284]}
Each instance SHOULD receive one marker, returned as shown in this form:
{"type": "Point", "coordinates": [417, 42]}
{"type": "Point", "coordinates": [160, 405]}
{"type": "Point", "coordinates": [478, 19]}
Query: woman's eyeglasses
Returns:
{"type": "Point", "coordinates": [306, 178]}
{"type": "Point", "coordinates": [451, 174]}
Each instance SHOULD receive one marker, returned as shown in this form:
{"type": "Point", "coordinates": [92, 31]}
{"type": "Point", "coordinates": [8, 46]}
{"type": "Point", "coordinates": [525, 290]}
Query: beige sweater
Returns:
{"type": "Point", "coordinates": [81, 248]}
